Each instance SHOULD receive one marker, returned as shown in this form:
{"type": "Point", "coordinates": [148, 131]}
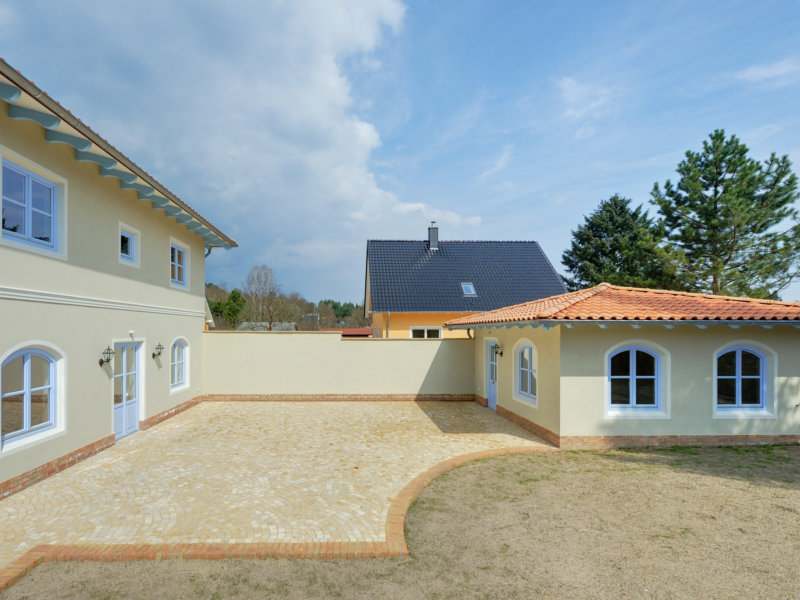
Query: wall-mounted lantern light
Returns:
{"type": "Point", "coordinates": [107, 354]}
{"type": "Point", "coordinates": [159, 350]}
{"type": "Point", "coordinates": [498, 351]}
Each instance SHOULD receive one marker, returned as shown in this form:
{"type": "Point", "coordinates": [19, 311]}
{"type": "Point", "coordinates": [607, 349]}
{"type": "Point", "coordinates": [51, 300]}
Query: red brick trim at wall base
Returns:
{"type": "Point", "coordinates": [163, 416]}
{"type": "Point", "coordinates": [338, 398]}
{"type": "Point", "coordinates": [20, 482]}
{"type": "Point", "coordinates": [606, 442]}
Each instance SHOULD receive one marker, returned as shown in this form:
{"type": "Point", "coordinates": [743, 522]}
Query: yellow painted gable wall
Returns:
{"type": "Point", "coordinates": [400, 324]}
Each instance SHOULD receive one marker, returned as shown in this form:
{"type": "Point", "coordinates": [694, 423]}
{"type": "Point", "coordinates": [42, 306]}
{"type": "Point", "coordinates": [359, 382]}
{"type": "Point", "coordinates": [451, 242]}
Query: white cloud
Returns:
{"type": "Point", "coordinates": [246, 114]}
{"type": "Point", "coordinates": [778, 74]}
{"type": "Point", "coordinates": [582, 100]}
{"type": "Point", "coordinates": [498, 165]}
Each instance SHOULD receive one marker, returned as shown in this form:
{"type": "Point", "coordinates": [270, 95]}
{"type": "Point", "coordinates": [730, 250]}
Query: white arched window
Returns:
{"type": "Point", "coordinates": [741, 381]}
{"type": "Point", "coordinates": [177, 364]}
{"type": "Point", "coordinates": [526, 360]}
{"type": "Point", "coordinates": [27, 393]}
{"type": "Point", "coordinates": [634, 379]}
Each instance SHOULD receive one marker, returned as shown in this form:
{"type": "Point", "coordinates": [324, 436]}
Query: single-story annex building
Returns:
{"type": "Point", "coordinates": [618, 366]}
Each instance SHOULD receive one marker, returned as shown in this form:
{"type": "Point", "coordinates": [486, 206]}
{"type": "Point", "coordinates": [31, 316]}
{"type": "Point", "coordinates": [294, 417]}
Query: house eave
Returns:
{"type": "Point", "coordinates": [635, 323]}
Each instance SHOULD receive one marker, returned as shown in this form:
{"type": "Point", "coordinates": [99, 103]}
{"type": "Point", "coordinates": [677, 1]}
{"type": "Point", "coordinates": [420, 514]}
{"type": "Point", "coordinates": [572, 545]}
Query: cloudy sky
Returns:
{"type": "Point", "coordinates": [302, 128]}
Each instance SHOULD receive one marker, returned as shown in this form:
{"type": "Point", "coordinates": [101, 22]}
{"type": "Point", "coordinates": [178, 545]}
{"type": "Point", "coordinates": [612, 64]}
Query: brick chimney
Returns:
{"type": "Point", "coordinates": [433, 236]}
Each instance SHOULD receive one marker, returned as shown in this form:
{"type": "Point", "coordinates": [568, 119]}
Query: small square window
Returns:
{"type": "Point", "coordinates": [468, 288]}
{"type": "Point", "coordinates": [128, 245]}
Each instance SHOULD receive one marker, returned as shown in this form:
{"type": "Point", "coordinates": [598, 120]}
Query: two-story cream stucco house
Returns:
{"type": "Point", "coordinates": [102, 282]}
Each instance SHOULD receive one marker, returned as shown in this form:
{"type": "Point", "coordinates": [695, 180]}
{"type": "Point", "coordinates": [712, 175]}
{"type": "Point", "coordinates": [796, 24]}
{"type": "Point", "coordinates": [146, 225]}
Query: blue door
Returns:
{"type": "Point", "coordinates": [491, 374]}
{"type": "Point", "coordinates": [126, 389]}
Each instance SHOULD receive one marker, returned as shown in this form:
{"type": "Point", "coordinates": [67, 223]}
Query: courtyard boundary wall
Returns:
{"type": "Point", "coordinates": [320, 364]}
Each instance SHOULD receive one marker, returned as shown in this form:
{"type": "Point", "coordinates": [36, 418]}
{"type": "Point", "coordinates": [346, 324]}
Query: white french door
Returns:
{"type": "Point", "coordinates": [126, 389]}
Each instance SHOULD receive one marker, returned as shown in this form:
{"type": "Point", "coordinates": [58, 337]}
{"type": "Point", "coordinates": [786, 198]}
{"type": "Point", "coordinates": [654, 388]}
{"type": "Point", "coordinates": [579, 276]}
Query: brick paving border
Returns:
{"type": "Point", "coordinates": [394, 546]}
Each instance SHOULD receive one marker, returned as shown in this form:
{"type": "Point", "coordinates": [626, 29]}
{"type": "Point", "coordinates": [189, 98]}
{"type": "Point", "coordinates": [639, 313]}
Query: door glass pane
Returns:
{"type": "Point", "coordinates": [726, 391]}
{"type": "Point", "coordinates": [40, 407]}
{"type": "Point", "coordinates": [433, 333]}
{"type": "Point", "coordinates": [726, 364]}
{"type": "Point", "coordinates": [130, 387]}
{"type": "Point", "coordinates": [645, 364]}
{"type": "Point", "coordinates": [12, 376]}
{"type": "Point", "coordinates": [493, 372]}
{"type": "Point", "coordinates": [620, 391]}
{"type": "Point", "coordinates": [621, 363]}
{"type": "Point", "coordinates": [118, 359]}
{"type": "Point", "coordinates": [40, 372]}
{"type": "Point", "coordinates": [417, 333]}
{"type": "Point", "coordinates": [646, 392]}
{"type": "Point", "coordinates": [11, 414]}
{"type": "Point", "coordinates": [42, 227]}
{"type": "Point", "coordinates": [13, 185]}
{"type": "Point", "coordinates": [751, 363]}
{"type": "Point", "coordinates": [13, 217]}
{"type": "Point", "coordinates": [118, 390]}
{"type": "Point", "coordinates": [130, 360]}
{"type": "Point", "coordinates": [42, 197]}
{"type": "Point", "coordinates": [751, 391]}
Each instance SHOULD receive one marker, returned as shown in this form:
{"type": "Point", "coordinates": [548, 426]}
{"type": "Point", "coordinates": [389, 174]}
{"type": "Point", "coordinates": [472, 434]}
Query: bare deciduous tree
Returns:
{"type": "Point", "coordinates": [261, 292]}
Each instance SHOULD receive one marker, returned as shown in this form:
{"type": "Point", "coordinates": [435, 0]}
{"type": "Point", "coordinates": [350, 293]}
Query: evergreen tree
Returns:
{"type": "Point", "coordinates": [618, 245]}
{"type": "Point", "coordinates": [732, 221]}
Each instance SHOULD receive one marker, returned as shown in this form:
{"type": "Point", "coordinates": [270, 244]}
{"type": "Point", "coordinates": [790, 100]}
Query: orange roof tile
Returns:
{"type": "Point", "coordinates": [608, 302]}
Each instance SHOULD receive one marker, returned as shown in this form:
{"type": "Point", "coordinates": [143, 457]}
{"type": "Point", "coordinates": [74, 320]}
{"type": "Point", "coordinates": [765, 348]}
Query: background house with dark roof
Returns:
{"type": "Point", "coordinates": [413, 287]}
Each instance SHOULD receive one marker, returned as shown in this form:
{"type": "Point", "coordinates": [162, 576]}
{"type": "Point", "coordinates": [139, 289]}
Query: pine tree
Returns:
{"type": "Point", "coordinates": [618, 245]}
{"type": "Point", "coordinates": [731, 220]}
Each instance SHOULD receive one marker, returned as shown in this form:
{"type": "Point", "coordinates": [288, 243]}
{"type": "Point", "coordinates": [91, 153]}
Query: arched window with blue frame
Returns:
{"type": "Point", "coordinates": [634, 374]}
{"type": "Point", "coordinates": [27, 393]}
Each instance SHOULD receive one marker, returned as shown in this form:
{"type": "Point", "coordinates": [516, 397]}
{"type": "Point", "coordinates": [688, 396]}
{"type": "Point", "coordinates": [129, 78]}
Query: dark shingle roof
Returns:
{"type": "Point", "coordinates": [405, 276]}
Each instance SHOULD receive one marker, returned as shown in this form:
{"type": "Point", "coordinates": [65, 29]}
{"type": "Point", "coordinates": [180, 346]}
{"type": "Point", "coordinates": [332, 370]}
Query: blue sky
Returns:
{"type": "Point", "coordinates": [305, 128]}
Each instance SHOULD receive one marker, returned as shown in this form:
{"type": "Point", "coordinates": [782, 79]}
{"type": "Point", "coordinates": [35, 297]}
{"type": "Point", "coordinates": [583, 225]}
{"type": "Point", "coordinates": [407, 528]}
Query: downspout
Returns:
{"type": "Point", "coordinates": [388, 317]}
{"type": "Point", "coordinates": [469, 332]}
{"type": "Point", "coordinates": [208, 251]}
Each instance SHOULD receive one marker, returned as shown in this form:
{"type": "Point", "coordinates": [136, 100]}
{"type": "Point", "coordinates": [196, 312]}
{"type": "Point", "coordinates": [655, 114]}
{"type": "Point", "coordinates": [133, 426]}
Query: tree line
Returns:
{"type": "Point", "coordinates": [727, 226]}
{"type": "Point", "coordinates": [261, 304]}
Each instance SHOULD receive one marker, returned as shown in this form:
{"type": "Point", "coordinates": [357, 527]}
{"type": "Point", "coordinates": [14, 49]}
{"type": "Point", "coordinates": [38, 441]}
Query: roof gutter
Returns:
{"type": "Point", "coordinates": [47, 102]}
{"type": "Point", "coordinates": [635, 323]}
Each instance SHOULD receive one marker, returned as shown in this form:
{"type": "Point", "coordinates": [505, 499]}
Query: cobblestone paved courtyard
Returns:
{"type": "Point", "coordinates": [252, 472]}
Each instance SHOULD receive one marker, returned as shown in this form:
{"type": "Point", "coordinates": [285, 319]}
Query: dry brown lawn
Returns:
{"type": "Point", "coordinates": [680, 523]}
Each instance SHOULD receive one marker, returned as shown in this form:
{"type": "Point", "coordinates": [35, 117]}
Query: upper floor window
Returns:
{"type": "Point", "coordinates": [634, 379]}
{"type": "Point", "coordinates": [740, 379]}
{"type": "Point", "coordinates": [426, 332]}
{"type": "Point", "coordinates": [27, 393]}
{"type": "Point", "coordinates": [29, 206]}
{"type": "Point", "coordinates": [129, 249]}
{"type": "Point", "coordinates": [177, 365]}
{"type": "Point", "coordinates": [527, 372]}
{"type": "Point", "coordinates": [177, 264]}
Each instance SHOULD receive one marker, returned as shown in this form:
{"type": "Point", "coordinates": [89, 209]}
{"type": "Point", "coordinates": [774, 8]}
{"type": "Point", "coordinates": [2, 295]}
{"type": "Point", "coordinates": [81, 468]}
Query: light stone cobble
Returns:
{"type": "Point", "coordinates": [252, 472]}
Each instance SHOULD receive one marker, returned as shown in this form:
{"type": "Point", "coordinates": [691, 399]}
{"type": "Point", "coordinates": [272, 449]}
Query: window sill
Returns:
{"type": "Point", "coordinates": [636, 413]}
{"type": "Point", "coordinates": [526, 400]}
{"type": "Point", "coordinates": [178, 388]}
{"type": "Point", "coordinates": [26, 441]}
{"type": "Point", "coordinates": [744, 413]}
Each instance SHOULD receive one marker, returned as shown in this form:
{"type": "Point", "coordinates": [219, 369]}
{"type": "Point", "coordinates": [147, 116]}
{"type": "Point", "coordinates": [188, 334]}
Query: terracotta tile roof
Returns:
{"type": "Point", "coordinates": [615, 303]}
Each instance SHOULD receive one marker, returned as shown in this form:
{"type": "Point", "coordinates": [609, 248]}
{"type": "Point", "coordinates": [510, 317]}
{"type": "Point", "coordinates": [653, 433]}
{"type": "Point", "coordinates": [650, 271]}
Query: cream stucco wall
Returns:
{"type": "Point", "coordinates": [546, 410]}
{"type": "Point", "coordinates": [324, 363]}
{"type": "Point", "coordinates": [75, 302]}
{"type": "Point", "coordinates": [688, 361]}
{"type": "Point", "coordinates": [400, 324]}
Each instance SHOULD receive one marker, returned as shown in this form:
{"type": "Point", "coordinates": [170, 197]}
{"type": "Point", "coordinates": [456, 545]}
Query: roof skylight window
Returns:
{"type": "Point", "coordinates": [468, 288]}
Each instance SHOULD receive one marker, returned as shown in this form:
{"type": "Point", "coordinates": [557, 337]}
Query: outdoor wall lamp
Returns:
{"type": "Point", "coordinates": [159, 350]}
{"type": "Point", "coordinates": [107, 354]}
{"type": "Point", "coordinates": [498, 351]}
